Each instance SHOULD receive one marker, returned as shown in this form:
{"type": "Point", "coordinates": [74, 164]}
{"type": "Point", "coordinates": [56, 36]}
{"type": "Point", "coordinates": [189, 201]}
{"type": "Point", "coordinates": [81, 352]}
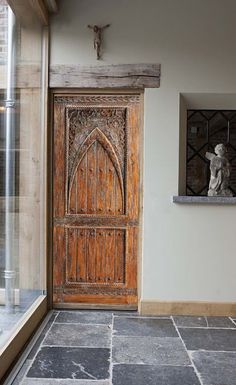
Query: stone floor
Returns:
{"type": "Point", "coordinates": [104, 348]}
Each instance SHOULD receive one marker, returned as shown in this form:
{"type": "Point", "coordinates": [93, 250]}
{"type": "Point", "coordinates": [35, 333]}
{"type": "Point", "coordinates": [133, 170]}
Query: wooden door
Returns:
{"type": "Point", "coordinates": [96, 198]}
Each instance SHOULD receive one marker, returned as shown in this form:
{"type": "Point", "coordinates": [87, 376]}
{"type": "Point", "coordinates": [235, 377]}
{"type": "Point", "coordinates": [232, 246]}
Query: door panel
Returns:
{"type": "Point", "coordinates": [95, 255]}
{"type": "Point", "coordinates": [95, 186]}
{"type": "Point", "coordinates": [96, 198]}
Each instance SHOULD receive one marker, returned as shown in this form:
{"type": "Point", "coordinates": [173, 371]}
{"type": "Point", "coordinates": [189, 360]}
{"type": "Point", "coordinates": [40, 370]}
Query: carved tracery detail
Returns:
{"type": "Point", "coordinates": [87, 129]}
{"type": "Point", "coordinates": [110, 121]}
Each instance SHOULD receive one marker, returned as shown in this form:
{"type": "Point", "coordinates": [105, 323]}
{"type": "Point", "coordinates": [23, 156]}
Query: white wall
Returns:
{"type": "Point", "coordinates": [188, 251]}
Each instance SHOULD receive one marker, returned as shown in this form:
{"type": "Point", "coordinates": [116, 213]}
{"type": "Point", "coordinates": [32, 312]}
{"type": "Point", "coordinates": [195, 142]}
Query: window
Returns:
{"type": "Point", "coordinates": [206, 129]}
{"type": "Point", "coordinates": [22, 273]}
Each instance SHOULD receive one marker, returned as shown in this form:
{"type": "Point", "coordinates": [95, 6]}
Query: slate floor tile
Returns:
{"type": "Point", "coordinates": [87, 317]}
{"type": "Point", "coordinates": [189, 321]}
{"type": "Point", "coordinates": [37, 381]}
{"type": "Point", "coordinates": [149, 350]}
{"type": "Point", "coordinates": [209, 339]}
{"type": "Point", "coordinates": [154, 375]}
{"type": "Point", "coordinates": [121, 313]}
{"type": "Point", "coordinates": [145, 350]}
{"type": "Point", "coordinates": [79, 335]}
{"type": "Point", "coordinates": [220, 322]}
{"type": "Point", "coordinates": [144, 327]}
{"type": "Point", "coordinates": [74, 363]}
{"type": "Point", "coordinates": [218, 368]}
{"type": "Point", "coordinates": [42, 336]}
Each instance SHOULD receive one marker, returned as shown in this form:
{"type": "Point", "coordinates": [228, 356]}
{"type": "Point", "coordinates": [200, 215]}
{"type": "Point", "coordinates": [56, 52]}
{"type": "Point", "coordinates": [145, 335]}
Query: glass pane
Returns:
{"type": "Point", "coordinates": [21, 169]}
{"type": "Point", "coordinates": [206, 129]}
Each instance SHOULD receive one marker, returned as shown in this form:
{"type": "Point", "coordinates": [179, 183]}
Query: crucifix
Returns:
{"type": "Point", "coordinates": [98, 38]}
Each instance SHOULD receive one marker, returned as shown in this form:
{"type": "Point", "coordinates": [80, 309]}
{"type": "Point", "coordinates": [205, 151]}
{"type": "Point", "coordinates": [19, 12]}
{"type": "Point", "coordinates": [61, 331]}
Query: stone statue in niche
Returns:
{"type": "Point", "coordinates": [220, 172]}
{"type": "Point", "coordinates": [98, 38]}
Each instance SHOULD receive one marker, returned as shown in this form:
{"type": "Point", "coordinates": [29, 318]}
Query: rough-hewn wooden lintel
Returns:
{"type": "Point", "coordinates": [106, 76]}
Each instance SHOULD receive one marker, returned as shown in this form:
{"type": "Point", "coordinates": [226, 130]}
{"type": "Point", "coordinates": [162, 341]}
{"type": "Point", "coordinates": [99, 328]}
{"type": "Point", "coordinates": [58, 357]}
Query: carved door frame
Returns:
{"type": "Point", "coordinates": [68, 92]}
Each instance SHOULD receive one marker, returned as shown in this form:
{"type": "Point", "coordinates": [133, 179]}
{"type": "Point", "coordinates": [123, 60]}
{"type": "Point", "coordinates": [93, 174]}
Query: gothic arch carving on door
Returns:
{"type": "Point", "coordinates": [98, 151]}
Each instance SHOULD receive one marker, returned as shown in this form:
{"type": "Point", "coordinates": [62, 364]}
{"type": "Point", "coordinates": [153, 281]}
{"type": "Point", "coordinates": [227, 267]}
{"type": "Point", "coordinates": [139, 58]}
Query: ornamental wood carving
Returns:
{"type": "Point", "coordinates": [96, 148]}
{"type": "Point", "coordinates": [97, 100]}
{"type": "Point", "coordinates": [96, 198]}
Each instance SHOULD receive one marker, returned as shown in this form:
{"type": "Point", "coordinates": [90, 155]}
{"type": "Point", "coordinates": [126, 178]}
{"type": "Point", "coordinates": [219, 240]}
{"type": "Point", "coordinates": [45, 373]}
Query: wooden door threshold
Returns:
{"type": "Point", "coordinates": [94, 306]}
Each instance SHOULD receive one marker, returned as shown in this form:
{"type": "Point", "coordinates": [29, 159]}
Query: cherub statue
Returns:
{"type": "Point", "coordinates": [220, 172]}
{"type": "Point", "coordinates": [98, 38]}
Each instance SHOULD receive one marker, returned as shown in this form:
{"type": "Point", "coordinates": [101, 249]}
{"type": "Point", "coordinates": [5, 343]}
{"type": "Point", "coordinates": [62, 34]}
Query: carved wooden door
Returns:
{"type": "Point", "coordinates": [96, 198]}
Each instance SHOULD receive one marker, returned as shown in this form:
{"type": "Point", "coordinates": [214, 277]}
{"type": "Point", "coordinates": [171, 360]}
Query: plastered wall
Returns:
{"type": "Point", "coordinates": [189, 252]}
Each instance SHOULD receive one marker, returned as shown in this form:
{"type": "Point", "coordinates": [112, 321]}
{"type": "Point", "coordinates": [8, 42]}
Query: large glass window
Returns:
{"type": "Point", "coordinates": [22, 272]}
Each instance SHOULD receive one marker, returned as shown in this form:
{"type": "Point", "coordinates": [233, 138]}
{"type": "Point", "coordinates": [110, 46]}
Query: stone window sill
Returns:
{"type": "Point", "coordinates": [204, 200]}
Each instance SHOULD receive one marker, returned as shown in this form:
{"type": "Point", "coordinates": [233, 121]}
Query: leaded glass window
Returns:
{"type": "Point", "coordinates": [206, 129]}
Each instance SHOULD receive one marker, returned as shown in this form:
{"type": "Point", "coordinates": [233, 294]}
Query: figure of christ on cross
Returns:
{"type": "Point", "coordinates": [98, 37]}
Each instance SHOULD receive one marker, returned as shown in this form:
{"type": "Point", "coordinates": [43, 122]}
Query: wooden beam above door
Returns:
{"type": "Point", "coordinates": [106, 76]}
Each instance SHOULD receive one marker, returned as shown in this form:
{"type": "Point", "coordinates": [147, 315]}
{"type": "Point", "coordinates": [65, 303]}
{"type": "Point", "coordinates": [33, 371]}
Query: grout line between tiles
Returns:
{"type": "Point", "coordinates": [57, 314]}
{"type": "Point", "coordinates": [205, 327]}
{"type": "Point", "coordinates": [233, 320]}
{"type": "Point", "coordinates": [189, 355]}
{"type": "Point", "coordinates": [111, 351]}
{"type": "Point", "coordinates": [150, 337]}
{"type": "Point", "coordinates": [143, 317]}
{"type": "Point", "coordinates": [156, 365]}
{"type": "Point", "coordinates": [212, 351]}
